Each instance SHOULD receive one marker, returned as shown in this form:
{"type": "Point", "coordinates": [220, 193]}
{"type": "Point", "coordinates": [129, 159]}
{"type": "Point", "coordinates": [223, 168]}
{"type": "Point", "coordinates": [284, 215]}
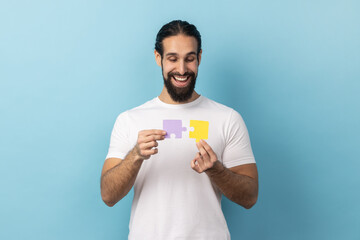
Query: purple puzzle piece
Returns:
{"type": "Point", "coordinates": [173, 127]}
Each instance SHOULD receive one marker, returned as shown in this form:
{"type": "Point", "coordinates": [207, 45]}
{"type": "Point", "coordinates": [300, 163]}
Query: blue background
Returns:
{"type": "Point", "coordinates": [291, 68]}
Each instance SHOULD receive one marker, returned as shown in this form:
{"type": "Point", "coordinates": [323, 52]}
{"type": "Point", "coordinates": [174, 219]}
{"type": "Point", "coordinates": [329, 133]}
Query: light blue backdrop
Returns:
{"type": "Point", "coordinates": [291, 68]}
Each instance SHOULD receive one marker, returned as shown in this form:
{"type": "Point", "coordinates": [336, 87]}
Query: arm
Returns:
{"type": "Point", "coordinates": [239, 188]}
{"type": "Point", "coordinates": [239, 184]}
{"type": "Point", "coordinates": [118, 176]}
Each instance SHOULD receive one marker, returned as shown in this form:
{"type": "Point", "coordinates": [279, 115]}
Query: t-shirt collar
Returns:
{"type": "Point", "coordinates": [182, 105]}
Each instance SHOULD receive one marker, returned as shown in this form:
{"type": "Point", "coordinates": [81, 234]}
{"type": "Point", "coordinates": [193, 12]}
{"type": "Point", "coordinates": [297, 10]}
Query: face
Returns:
{"type": "Point", "coordinates": [179, 66]}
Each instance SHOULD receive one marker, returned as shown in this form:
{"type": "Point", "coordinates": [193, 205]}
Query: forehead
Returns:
{"type": "Point", "coordinates": [179, 44]}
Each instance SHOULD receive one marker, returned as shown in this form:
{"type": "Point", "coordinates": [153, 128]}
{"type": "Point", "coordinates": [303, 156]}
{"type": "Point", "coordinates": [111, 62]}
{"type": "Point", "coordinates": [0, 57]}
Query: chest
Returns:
{"type": "Point", "coordinates": [183, 130]}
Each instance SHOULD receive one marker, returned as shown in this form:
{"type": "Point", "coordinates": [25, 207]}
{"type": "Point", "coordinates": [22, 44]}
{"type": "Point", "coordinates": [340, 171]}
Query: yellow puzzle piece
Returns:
{"type": "Point", "coordinates": [201, 129]}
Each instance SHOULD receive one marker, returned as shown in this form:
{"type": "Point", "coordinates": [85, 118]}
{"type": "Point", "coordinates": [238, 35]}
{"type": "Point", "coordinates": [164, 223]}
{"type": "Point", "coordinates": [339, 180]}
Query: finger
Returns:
{"type": "Point", "coordinates": [150, 138]}
{"type": "Point", "coordinates": [205, 156]}
{"type": "Point", "coordinates": [197, 157]}
{"type": "Point", "coordinates": [148, 145]}
{"type": "Point", "coordinates": [149, 152]}
{"type": "Point", "coordinates": [200, 162]}
{"type": "Point", "coordinates": [152, 132]}
{"type": "Point", "coordinates": [208, 161]}
{"type": "Point", "coordinates": [207, 148]}
{"type": "Point", "coordinates": [194, 165]}
{"type": "Point", "coordinates": [210, 152]}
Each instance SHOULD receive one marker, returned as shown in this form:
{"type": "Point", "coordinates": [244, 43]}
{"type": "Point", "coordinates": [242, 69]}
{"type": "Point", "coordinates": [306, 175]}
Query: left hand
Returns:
{"type": "Point", "coordinates": [205, 158]}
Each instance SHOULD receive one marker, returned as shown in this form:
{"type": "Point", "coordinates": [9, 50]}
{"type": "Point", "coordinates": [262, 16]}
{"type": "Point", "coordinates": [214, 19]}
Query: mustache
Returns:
{"type": "Point", "coordinates": [182, 75]}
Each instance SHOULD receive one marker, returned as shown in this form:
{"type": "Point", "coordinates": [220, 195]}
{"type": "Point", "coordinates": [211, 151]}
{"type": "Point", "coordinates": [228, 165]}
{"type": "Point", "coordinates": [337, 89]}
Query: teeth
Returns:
{"type": "Point", "coordinates": [180, 79]}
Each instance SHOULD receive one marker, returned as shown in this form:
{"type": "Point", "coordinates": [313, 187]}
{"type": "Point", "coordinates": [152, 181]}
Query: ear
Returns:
{"type": "Point", "coordinates": [200, 56]}
{"type": "Point", "coordinates": [157, 58]}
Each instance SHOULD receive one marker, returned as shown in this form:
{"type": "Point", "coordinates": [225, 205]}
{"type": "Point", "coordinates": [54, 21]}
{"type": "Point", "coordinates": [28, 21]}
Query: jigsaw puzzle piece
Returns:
{"type": "Point", "coordinates": [173, 127]}
{"type": "Point", "coordinates": [201, 129]}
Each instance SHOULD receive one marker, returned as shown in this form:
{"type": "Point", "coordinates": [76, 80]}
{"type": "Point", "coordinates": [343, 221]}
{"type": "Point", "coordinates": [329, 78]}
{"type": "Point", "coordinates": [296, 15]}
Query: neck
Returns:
{"type": "Point", "coordinates": [165, 97]}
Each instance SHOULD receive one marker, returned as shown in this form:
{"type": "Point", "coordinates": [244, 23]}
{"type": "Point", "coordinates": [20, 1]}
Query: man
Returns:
{"type": "Point", "coordinates": [160, 149]}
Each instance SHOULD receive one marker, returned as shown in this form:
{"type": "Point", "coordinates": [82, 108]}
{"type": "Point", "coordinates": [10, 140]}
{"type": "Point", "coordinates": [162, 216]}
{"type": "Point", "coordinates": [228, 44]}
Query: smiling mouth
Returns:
{"type": "Point", "coordinates": [181, 81]}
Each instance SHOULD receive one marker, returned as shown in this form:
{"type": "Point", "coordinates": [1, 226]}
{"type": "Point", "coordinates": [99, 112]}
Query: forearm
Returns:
{"type": "Point", "coordinates": [240, 189]}
{"type": "Point", "coordinates": [118, 181]}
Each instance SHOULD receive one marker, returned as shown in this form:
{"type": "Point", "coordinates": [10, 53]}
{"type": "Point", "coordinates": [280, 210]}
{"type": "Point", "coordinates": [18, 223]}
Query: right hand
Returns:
{"type": "Point", "coordinates": [147, 142]}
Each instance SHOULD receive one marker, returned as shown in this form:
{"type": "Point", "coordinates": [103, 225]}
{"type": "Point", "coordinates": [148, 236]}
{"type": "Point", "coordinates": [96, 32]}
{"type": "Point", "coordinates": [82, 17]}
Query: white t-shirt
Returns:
{"type": "Point", "coordinates": [171, 200]}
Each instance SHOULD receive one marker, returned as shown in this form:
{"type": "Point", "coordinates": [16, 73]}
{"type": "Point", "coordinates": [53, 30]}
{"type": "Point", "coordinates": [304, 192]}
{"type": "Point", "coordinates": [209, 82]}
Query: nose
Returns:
{"type": "Point", "coordinates": [182, 67]}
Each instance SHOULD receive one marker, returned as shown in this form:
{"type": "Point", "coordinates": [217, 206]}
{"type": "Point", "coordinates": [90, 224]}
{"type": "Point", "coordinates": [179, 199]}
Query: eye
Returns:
{"type": "Point", "coordinates": [190, 59]}
{"type": "Point", "coordinates": [172, 59]}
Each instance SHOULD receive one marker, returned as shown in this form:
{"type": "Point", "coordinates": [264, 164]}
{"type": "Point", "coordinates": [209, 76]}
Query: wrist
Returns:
{"type": "Point", "coordinates": [136, 157]}
{"type": "Point", "coordinates": [216, 169]}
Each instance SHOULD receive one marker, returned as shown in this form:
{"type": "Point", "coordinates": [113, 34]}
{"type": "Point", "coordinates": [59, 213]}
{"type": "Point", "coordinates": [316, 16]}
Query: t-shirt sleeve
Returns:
{"type": "Point", "coordinates": [119, 141]}
{"type": "Point", "coordinates": [238, 148]}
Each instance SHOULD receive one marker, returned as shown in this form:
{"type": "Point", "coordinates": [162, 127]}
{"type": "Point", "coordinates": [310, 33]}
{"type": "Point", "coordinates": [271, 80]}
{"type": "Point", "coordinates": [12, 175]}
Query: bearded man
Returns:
{"type": "Point", "coordinates": [181, 151]}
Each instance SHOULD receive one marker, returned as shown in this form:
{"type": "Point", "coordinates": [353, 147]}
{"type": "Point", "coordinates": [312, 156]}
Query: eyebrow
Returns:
{"type": "Point", "coordinates": [175, 54]}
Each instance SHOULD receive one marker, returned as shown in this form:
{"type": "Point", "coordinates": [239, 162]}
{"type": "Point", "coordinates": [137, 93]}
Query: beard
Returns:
{"type": "Point", "coordinates": [180, 94]}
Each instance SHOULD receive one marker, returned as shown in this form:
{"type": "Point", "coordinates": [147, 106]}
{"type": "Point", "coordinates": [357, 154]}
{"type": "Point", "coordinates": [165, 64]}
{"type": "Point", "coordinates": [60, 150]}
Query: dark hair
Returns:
{"type": "Point", "coordinates": [174, 28]}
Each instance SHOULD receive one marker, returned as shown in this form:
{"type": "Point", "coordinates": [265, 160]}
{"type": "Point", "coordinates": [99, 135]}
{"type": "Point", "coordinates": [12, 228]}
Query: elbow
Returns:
{"type": "Point", "coordinates": [251, 198]}
{"type": "Point", "coordinates": [106, 195]}
{"type": "Point", "coordinates": [109, 204]}
{"type": "Point", "coordinates": [110, 199]}
{"type": "Point", "coordinates": [107, 200]}
{"type": "Point", "coordinates": [250, 203]}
